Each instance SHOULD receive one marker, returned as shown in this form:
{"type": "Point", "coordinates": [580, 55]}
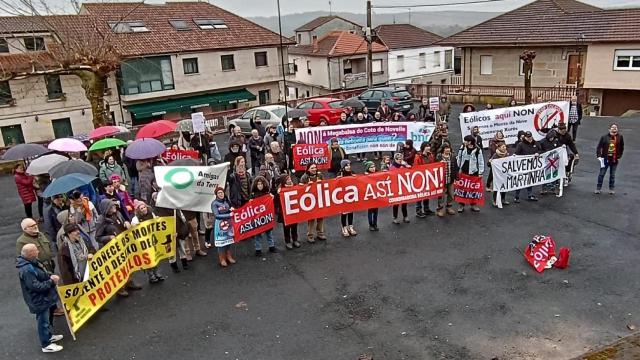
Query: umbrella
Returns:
{"type": "Point", "coordinates": [81, 137]}
{"type": "Point", "coordinates": [73, 167]}
{"type": "Point", "coordinates": [24, 151]}
{"type": "Point", "coordinates": [156, 129]}
{"type": "Point", "coordinates": [296, 113]}
{"type": "Point", "coordinates": [185, 125]}
{"type": "Point", "coordinates": [44, 163]}
{"type": "Point", "coordinates": [106, 144]}
{"type": "Point", "coordinates": [122, 129]}
{"type": "Point", "coordinates": [67, 183]}
{"type": "Point", "coordinates": [103, 131]}
{"type": "Point", "coordinates": [145, 149]}
{"type": "Point", "coordinates": [354, 103]}
{"type": "Point", "coordinates": [186, 162]}
{"type": "Point", "coordinates": [67, 145]}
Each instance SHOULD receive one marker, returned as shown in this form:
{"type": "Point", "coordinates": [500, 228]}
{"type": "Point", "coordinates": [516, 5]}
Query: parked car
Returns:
{"type": "Point", "coordinates": [397, 99]}
{"type": "Point", "coordinates": [322, 110]}
{"type": "Point", "coordinates": [269, 115]}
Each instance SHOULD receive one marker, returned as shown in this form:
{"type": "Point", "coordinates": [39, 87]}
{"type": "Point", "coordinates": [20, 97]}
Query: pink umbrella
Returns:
{"type": "Point", "coordinates": [103, 131]}
{"type": "Point", "coordinates": [67, 145]}
{"type": "Point", "coordinates": [156, 129]}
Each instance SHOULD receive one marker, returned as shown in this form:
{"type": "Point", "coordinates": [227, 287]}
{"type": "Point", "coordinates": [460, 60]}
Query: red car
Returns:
{"type": "Point", "coordinates": [322, 111]}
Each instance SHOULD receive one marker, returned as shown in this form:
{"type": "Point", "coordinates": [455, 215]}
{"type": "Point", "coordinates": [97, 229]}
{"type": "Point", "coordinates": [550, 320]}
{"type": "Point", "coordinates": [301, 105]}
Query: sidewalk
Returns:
{"type": "Point", "coordinates": [624, 349]}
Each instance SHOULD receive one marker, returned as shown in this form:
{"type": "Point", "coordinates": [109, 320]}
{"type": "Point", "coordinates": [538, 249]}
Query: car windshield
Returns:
{"type": "Point", "coordinates": [279, 112]}
{"type": "Point", "coordinates": [402, 93]}
{"type": "Point", "coordinates": [335, 104]}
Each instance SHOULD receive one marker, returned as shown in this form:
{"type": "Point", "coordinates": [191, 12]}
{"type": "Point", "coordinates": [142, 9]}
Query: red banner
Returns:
{"type": "Point", "coordinates": [541, 252]}
{"type": "Point", "coordinates": [361, 192]}
{"type": "Point", "coordinates": [303, 154]}
{"type": "Point", "coordinates": [469, 189]}
{"type": "Point", "coordinates": [255, 217]}
{"type": "Point", "coordinates": [172, 155]}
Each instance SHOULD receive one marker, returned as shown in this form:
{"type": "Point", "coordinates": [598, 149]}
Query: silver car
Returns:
{"type": "Point", "coordinates": [269, 115]}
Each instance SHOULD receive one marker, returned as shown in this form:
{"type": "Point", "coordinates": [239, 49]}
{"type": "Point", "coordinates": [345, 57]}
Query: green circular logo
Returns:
{"type": "Point", "coordinates": [182, 184]}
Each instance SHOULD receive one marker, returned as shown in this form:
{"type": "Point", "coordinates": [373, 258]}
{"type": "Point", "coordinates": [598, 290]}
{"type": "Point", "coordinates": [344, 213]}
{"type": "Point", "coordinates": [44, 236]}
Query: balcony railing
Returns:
{"type": "Point", "coordinates": [558, 92]}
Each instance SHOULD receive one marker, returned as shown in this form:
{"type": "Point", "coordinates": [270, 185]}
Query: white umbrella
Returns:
{"type": "Point", "coordinates": [44, 163]}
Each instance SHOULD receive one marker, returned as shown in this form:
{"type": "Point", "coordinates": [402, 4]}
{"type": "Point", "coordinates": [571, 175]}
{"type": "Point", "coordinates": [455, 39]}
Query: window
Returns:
{"type": "Point", "coordinates": [306, 105]}
{"type": "Point", "coordinates": [263, 114]}
{"type": "Point", "coordinates": [54, 87]}
{"type": "Point", "coordinates": [308, 67]}
{"type": "Point", "coordinates": [627, 60]}
{"type": "Point", "coordinates": [227, 63]}
{"type": "Point", "coordinates": [422, 60]}
{"type": "Point", "coordinates": [179, 24]}
{"type": "Point", "coordinates": [62, 128]}
{"type": "Point", "coordinates": [261, 58]}
{"type": "Point", "coordinates": [317, 105]}
{"type": "Point", "coordinates": [146, 75]}
{"type": "Point", "coordinates": [448, 59]}
{"type": "Point", "coordinates": [264, 97]}
{"type": "Point", "coordinates": [486, 64]}
{"type": "Point", "coordinates": [335, 104]}
{"type": "Point", "coordinates": [120, 27]}
{"type": "Point", "coordinates": [5, 93]}
{"type": "Point", "coordinates": [346, 67]}
{"type": "Point", "coordinates": [12, 135]}
{"type": "Point", "coordinates": [314, 38]}
{"type": "Point", "coordinates": [367, 94]}
{"type": "Point", "coordinates": [436, 58]}
{"type": "Point", "coordinates": [34, 44]}
{"type": "Point", "coordinates": [209, 24]}
{"type": "Point", "coordinates": [190, 66]}
{"type": "Point", "coordinates": [4, 46]}
{"type": "Point", "coordinates": [376, 66]}
{"type": "Point", "coordinates": [400, 63]}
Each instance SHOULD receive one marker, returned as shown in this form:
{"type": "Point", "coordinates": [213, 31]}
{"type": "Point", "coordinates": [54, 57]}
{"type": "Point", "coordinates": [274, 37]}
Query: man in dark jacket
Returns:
{"type": "Point", "coordinates": [51, 211]}
{"type": "Point", "coordinates": [256, 149]}
{"type": "Point", "coordinates": [572, 150]}
{"type": "Point", "coordinates": [549, 143]}
{"type": "Point", "coordinates": [527, 146]}
{"type": "Point", "coordinates": [39, 293]}
{"type": "Point", "coordinates": [337, 155]}
{"type": "Point", "coordinates": [256, 124]}
{"type": "Point", "coordinates": [235, 150]}
{"type": "Point", "coordinates": [476, 135]}
{"type": "Point", "coordinates": [609, 152]}
{"type": "Point", "coordinates": [239, 187]}
{"type": "Point", "coordinates": [575, 116]}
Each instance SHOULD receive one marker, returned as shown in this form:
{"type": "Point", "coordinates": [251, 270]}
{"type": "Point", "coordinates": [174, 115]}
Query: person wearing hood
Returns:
{"type": "Point", "coordinates": [527, 146]}
{"type": "Point", "coordinates": [26, 190]}
{"type": "Point", "coordinates": [51, 223]}
{"type": "Point", "coordinates": [108, 167]}
{"type": "Point", "coordinates": [278, 156]}
{"type": "Point", "coordinates": [337, 154]}
{"type": "Point", "coordinates": [346, 219]}
{"type": "Point", "coordinates": [73, 256]}
{"type": "Point", "coordinates": [143, 213]}
{"type": "Point", "coordinates": [398, 164]}
{"type": "Point", "coordinates": [609, 152]}
{"type": "Point", "coordinates": [222, 211]}
{"type": "Point", "coordinates": [291, 230]}
{"type": "Point", "coordinates": [235, 148]}
{"type": "Point", "coordinates": [38, 287]}
{"type": "Point", "coordinates": [450, 176]}
{"type": "Point", "coordinates": [501, 152]}
{"type": "Point", "coordinates": [256, 149]}
{"type": "Point", "coordinates": [470, 162]}
{"type": "Point", "coordinates": [256, 124]}
{"type": "Point", "coordinates": [422, 158]}
{"type": "Point", "coordinates": [311, 175]}
{"type": "Point", "coordinates": [259, 188]}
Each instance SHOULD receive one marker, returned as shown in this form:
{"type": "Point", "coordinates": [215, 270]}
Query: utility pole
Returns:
{"type": "Point", "coordinates": [284, 74]}
{"type": "Point", "coordinates": [369, 37]}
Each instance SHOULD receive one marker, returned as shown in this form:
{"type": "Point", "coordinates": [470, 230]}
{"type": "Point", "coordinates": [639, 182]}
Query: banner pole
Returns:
{"type": "Point", "coordinates": [66, 317]}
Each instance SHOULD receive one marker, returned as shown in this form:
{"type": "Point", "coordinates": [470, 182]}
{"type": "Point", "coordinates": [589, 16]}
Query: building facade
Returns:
{"type": "Point", "coordinates": [318, 27]}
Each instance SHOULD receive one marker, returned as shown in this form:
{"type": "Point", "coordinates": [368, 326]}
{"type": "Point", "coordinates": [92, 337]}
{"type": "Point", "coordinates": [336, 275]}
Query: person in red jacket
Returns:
{"type": "Point", "coordinates": [26, 191]}
{"type": "Point", "coordinates": [421, 158]}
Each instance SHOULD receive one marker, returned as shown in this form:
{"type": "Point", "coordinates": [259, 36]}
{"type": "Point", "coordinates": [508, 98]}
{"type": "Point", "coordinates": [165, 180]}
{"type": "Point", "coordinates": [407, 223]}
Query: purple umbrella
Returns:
{"type": "Point", "coordinates": [145, 149]}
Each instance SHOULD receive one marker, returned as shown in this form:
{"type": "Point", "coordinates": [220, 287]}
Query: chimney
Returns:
{"type": "Point", "coordinates": [315, 44]}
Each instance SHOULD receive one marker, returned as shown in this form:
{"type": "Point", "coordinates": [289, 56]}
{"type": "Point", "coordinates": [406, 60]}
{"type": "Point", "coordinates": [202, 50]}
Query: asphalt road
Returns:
{"type": "Point", "coordinates": [453, 288]}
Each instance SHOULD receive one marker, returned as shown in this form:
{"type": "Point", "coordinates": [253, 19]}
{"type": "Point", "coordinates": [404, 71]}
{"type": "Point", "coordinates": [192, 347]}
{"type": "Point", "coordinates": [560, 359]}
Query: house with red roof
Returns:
{"type": "Point", "coordinates": [597, 50]}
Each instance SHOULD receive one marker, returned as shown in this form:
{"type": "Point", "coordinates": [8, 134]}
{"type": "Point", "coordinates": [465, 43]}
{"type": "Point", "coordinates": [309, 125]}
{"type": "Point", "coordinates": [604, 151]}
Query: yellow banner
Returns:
{"type": "Point", "coordinates": [141, 247]}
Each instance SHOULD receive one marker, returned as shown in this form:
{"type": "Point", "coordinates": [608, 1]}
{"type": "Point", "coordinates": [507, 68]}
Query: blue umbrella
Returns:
{"type": "Point", "coordinates": [145, 148]}
{"type": "Point", "coordinates": [67, 183]}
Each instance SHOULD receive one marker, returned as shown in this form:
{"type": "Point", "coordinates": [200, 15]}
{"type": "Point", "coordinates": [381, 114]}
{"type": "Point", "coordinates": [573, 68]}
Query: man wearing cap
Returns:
{"type": "Point", "coordinates": [527, 146]}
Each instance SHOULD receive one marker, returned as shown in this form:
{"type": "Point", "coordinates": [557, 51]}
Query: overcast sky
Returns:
{"type": "Point", "coordinates": [268, 7]}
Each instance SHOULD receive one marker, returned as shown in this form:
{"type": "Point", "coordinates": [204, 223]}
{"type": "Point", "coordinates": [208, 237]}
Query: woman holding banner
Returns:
{"type": "Point", "coordinates": [372, 214]}
{"type": "Point", "coordinates": [143, 213]}
{"type": "Point", "coordinates": [450, 176]}
{"type": "Point", "coordinates": [223, 231]}
{"type": "Point", "coordinates": [398, 164]}
{"type": "Point", "coordinates": [421, 158]}
{"type": "Point", "coordinates": [291, 230]}
{"type": "Point", "coordinates": [471, 162]}
{"type": "Point", "coordinates": [501, 152]}
{"type": "Point", "coordinates": [259, 188]}
{"type": "Point", "coordinates": [346, 219]}
{"type": "Point", "coordinates": [312, 175]}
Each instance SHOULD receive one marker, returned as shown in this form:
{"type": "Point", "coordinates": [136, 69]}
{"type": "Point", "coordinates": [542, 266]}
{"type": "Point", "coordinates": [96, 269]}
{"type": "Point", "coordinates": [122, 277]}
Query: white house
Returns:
{"type": "Point", "coordinates": [320, 26]}
{"type": "Point", "coordinates": [413, 57]}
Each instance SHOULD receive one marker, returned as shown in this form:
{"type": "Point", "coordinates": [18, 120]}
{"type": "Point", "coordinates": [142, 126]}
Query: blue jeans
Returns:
{"type": "Point", "coordinates": [612, 175]}
{"type": "Point", "coordinates": [529, 192]}
{"type": "Point", "coordinates": [372, 215]}
{"type": "Point", "coordinates": [257, 239]}
{"type": "Point", "coordinates": [44, 320]}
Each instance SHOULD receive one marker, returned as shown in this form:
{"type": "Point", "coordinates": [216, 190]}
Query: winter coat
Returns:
{"type": "Point", "coordinates": [108, 226]}
{"type": "Point", "coordinates": [337, 155]}
{"type": "Point", "coordinates": [567, 140]}
{"type": "Point", "coordinates": [145, 185]}
{"type": "Point", "coordinates": [235, 185]}
{"type": "Point", "coordinates": [280, 160]}
{"type": "Point", "coordinates": [256, 149]}
{"type": "Point", "coordinates": [478, 141]}
{"type": "Point", "coordinates": [26, 191]}
{"type": "Point", "coordinates": [385, 113]}
{"type": "Point", "coordinates": [67, 272]}
{"type": "Point", "coordinates": [289, 141]}
{"type": "Point", "coordinates": [475, 159]}
{"type": "Point", "coordinates": [409, 154]}
{"type": "Point", "coordinates": [38, 290]}
{"type": "Point", "coordinates": [526, 148]}
{"type": "Point", "coordinates": [306, 178]}
{"type": "Point", "coordinates": [420, 160]}
{"type": "Point", "coordinates": [451, 168]}
{"type": "Point", "coordinates": [445, 108]}
{"type": "Point", "coordinates": [549, 143]}
{"type": "Point", "coordinates": [221, 209]}
{"type": "Point", "coordinates": [86, 220]}
{"type": "Point", "coordinates": [603, 148]}
{"type": "Point", "coordinates": [257, 126]}
{"type": "Point", "coordinates": [51, 223]}
{"type": "Point", "coordinates": [493, 145]}
{"type": "Point", "coordinates": [424, 114]}
{"type": "Point", "coordinates": [43, 244]}
{"type": "Point", "coordinates": [230, 156]}
{"type": "Point", "coordinates": [106, 171]}
{"type": "Point", "coordinates": [268, 139]}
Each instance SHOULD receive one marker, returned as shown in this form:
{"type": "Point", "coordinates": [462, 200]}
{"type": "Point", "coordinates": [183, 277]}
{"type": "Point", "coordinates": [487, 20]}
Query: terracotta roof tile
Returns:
{"type": "Point", "coordinates": [13, 64]}
{"type": "Point", "coordinates": [403, 36]}
{"type": "Point", "coordinates": [335, 44]}
{"type": "Point", "coordinates": [21, 24]}
{"type": "Point", "coordinates": [319, 21]}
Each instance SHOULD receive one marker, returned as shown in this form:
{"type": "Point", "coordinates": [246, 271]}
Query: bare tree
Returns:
{"type": "Point", "coordinates": [527, 68]}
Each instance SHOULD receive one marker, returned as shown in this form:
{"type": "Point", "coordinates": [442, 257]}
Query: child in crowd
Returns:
{"type": "Point", "coordinates": [290, 231]}
{"type": "Point", "coordinates": [346, 218]}
{"type": "Point", "coordinates": [261, 187]}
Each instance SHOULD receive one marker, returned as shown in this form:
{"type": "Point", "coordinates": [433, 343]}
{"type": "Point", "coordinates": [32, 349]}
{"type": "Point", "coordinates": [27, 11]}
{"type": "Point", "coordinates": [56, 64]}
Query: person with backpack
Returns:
{"type": "Point", "coordinates": [470, 162]}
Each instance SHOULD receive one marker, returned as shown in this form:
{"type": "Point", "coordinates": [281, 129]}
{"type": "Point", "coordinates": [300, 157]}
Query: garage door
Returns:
{"type": "Point", "coordinates": [617, 102]}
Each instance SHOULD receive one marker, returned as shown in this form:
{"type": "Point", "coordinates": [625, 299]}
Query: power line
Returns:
{"type": "Point", "coordinates": [432, 5]}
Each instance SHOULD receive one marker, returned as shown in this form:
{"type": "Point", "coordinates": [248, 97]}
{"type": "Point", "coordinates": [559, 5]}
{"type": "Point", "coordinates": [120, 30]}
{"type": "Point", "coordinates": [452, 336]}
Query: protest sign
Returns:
{"type": "Point", "coordinates": [541, 253]}
{"type": "Point", "coordinates": [141, 247]}
{"type": "Point", "coordinates": [469, 189]}
{"type": "Point", "coordinates": [359, 138]}
{"type": "Point", "coordinates": [434, 103]}
{"type": "Point", "coordinates": [361, 192]}
{"type": "Point", "coordinates": [189, 187]}
{"type": "Point", "coordinates": [304, 154]}
{"type": "Point", "coordinates": [255, 217]}
{"type": "Point", "coordinates": [519, 172]}
{"type": "Point", "coordinates": [534, 118]}
{"type": "Point", "coordinates": [177, 154]}
{"type": "Point", "coordinates": [222, 232]}
{"type": "Point", "coordinates": [198, 121]}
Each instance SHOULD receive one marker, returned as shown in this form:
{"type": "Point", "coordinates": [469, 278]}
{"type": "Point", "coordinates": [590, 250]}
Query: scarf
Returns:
{"type": "Point", "coordinates": [78, 253]}
{"type": "Point", "coordinates": [573, 113]}
{"type": "Point", "coordinates": [501, 154]}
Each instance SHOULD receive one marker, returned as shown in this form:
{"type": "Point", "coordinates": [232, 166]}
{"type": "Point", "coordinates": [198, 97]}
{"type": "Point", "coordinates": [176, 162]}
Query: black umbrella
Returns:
{"type": "Point", "coordinates": [73, 167]}
{"type": "Point", "coordinates": [24, 151]}
{"type": "Point", "coordinates": [296, 113]}
{"type": "Point", "coordinates": [186, 162]}
{"type": "Point", "coordinates": [354, 103]}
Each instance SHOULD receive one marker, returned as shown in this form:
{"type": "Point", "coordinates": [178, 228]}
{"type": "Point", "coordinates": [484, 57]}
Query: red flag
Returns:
{"type": "Point", "coordinates": [304, 154]}
{"type": "Point", "coordinates": [255, 217]}
{"type": "Point", "coordinates": [175, 154]}
{"type": "Point", "coordinates": [469, 189]}
{"type": "Point", "coordinates": [540, 251]}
